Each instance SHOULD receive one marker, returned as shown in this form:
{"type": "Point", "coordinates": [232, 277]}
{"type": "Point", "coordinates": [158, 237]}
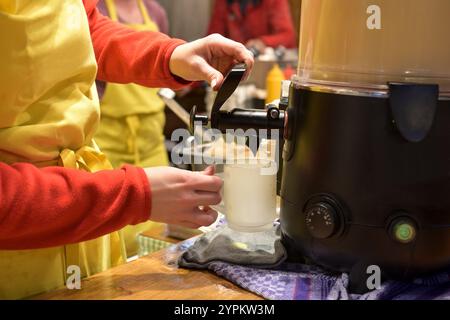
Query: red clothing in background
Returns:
{"type": "Point", "coordinates": [270, 22]}
{"type": "Point", "coordinates": [56, 206]}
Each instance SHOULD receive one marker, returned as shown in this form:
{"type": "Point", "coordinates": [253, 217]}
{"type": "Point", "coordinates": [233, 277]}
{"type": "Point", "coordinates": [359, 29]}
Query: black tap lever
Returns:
{"type": "Point", "coordinates": [272, 118]}
{"type": "Point", "coordinates": [229, 85]}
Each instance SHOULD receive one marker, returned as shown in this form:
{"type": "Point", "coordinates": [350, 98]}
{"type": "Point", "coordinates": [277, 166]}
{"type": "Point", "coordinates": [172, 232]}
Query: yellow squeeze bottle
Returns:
{"type": "Point", "coordinates": [273, 83]}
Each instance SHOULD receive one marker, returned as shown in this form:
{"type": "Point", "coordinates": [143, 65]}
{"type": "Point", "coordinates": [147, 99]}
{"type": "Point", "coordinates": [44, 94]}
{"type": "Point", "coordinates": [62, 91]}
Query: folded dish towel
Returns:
{"type": "Point", "coordinates": [257, 262]}
{"type": "Point", "coordinates": [259, 249]}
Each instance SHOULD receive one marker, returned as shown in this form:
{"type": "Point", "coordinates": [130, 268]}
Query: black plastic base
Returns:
{"type": "Point", "coordinates": [358, 275]}
{"type": "Point", "coordinates": [349, 149]}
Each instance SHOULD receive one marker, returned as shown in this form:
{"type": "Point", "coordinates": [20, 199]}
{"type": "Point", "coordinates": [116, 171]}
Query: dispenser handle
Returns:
{"type": "Point", "coordinates": [229, 85]}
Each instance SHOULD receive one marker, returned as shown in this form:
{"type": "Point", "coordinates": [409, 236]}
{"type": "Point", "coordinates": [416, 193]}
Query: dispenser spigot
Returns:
{"type": "Point", "coordinates": [238, 118]}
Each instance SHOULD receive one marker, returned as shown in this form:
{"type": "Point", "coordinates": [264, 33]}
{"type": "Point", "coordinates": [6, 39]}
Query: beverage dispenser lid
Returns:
{"type": "Point", "coordinates": [358, 46]}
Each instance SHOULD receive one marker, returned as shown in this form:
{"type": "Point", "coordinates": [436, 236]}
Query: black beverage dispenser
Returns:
{"type": "Point", "coordinates": [366, 158]}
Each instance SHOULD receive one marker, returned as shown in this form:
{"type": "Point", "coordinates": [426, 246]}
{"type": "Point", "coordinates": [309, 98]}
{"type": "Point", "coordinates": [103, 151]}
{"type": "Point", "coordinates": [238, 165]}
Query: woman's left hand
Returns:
{"type": "Point", "coordinates": [209, 59]}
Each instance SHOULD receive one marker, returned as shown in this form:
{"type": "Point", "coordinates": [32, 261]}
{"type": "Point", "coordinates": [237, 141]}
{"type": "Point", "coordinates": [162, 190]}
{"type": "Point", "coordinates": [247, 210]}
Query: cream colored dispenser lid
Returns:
{"type": "Point", "coordinates": [361, 45]}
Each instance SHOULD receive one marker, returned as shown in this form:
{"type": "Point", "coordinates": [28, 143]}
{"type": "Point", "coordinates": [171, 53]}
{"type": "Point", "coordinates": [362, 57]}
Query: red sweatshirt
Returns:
{"type": "Point", "coordinates": [270, 22]}
{"type": "Point", "coordinates": [56, 206]}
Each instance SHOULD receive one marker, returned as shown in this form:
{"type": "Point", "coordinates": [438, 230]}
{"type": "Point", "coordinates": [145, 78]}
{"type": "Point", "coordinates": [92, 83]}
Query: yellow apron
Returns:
{"type": "Point", "coordinates": [49, 112]}
{"type": "Point", "coordinates": [132, 124]}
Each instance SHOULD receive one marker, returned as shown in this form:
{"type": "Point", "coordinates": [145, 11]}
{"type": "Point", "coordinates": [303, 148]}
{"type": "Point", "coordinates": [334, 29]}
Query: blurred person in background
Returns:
{"type": "Point", "coordinates": [188, 18]}
{"type": "Point", "coordinates": [132, 123]}
{"type": "Point", "coordinates": [256, 23]}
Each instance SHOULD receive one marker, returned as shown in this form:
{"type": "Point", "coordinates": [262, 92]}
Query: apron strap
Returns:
{"type": "Point", "coordinates": [134, 124]}
{"type": "Point", "coordinates": [111, 6]}
{"type": "Point", "coordinates": [112, 10]}
{"type": "Point", "coordinates": [147, 19]}
{"type": "Point", "coordinates": [90, 159]}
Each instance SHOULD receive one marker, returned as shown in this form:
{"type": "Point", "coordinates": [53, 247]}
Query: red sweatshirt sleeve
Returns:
{"type": "Point", "coordinates": [54, 206]}
{"type": "Point", "coordinates": [282, 27]}
{"type": "Point", "coordinates": [125, 55]}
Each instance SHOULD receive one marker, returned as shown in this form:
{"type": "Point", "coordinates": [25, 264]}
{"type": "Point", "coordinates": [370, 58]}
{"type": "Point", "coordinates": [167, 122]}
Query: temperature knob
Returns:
{"type": "Point", "coordinates": [322, 220]}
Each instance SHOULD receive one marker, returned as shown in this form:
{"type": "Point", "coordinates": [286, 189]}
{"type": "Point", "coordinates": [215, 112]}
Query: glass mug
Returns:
{"type": "Point", "coordinates": [249, 195]}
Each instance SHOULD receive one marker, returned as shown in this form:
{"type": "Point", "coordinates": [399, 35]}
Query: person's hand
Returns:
{"type": "Point", "coordinates": [183, 197]}
{"type": "Point", "coordinates": [258, 44]}
{"type": "Point", "coordinates": [209, 59]}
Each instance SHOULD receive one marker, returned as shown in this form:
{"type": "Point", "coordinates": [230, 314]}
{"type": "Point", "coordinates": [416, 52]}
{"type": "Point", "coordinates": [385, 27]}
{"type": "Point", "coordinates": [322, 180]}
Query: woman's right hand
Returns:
{"type": "Point", "coordinates": [183, 197]}
{"type": "Point", "coordinates": [209, 59]}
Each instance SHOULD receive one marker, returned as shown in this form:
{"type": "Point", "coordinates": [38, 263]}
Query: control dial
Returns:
{"type": "Point", "coordinates": [322, 220]}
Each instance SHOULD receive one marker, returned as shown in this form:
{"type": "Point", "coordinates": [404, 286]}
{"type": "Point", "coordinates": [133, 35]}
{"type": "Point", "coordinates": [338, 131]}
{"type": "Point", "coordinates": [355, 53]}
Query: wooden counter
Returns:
{"type": "Point", "coordinates": [154, 277]}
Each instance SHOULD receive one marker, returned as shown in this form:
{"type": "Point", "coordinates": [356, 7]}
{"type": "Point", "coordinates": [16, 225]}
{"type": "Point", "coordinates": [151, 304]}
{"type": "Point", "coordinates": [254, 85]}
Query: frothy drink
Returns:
{"type": "Point", "coordinates": [250, 195]}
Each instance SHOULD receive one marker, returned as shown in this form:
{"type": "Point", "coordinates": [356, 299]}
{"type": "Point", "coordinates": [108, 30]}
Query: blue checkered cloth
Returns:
{"type": "Point", "coordinates": [306, 282]}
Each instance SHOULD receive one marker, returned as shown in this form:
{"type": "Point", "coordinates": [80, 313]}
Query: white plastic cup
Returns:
{"type": "Point", "coordinates": [250, 195]}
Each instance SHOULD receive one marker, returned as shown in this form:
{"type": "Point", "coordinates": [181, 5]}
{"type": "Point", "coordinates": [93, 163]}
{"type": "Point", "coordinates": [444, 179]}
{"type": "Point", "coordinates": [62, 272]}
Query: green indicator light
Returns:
{"type": "Point", "coordinates": [404, 232]}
